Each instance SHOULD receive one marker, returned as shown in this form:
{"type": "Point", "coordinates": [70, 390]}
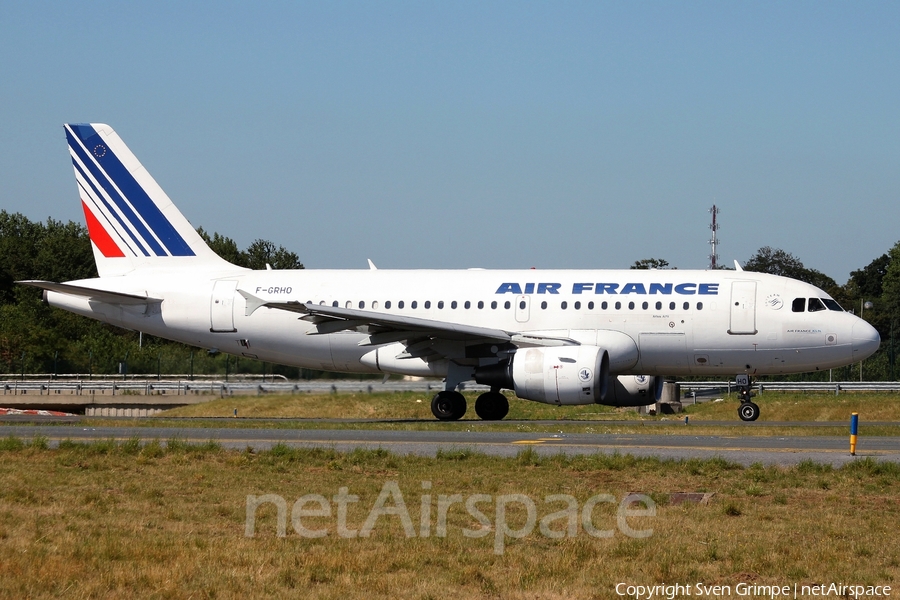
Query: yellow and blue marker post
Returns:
{"type": "Point", "coordinates": [854, 427]}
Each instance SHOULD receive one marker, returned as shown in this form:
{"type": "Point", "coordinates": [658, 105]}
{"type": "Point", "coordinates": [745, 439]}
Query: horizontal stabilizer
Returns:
{"type": "Point", "coordinates": [92, 293]}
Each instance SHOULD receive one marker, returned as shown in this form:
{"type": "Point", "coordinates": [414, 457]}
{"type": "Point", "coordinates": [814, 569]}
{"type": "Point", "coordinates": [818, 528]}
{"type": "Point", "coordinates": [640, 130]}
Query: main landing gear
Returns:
{"type": "Point", "coordinates": [450, 405]}
{"type": "Point", "coordinates": [492, 406]}
{"type": "Point", "coordinates": [748, 410]}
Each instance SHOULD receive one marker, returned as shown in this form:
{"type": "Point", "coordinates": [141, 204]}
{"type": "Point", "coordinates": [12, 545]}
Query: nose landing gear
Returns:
{"type": "Point", "coordinates": [748, 410]}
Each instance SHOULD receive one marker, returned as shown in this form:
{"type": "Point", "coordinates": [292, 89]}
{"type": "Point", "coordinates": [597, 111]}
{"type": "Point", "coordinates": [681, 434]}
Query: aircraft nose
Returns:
{"type": "Point", "coordinates": [865, 340]}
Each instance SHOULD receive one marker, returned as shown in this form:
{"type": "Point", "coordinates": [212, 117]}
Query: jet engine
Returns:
{"type": "Point", "coordinates": [633, 390]}
{"type": "Point", "coordinates": [554, 375]}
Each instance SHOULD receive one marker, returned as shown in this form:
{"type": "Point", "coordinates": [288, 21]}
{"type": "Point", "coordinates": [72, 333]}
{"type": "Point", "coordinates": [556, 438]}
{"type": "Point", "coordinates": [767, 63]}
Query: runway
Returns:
{"type": "Point", "coordinates": [745, 450]}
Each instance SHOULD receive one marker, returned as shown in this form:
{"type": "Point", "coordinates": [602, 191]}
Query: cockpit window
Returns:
{"type": "Point", "coordinates": [832, 305]}
{"type": "Point", "coordinates": [815, 305]}
{"type": "Point", "coordinates": [799, 305]}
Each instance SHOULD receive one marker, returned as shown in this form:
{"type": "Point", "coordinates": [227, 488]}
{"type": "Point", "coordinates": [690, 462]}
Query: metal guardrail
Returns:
{"type": "Point", "coordinates": [221, 388]}
{"type": "Point", "coordinates": [324, 386]}
{"type": "Point", "coordinates": [796, 386]}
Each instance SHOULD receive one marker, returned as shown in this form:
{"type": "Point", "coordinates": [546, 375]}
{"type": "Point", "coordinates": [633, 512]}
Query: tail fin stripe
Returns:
{"type": "Point", "coordinates": [100, 203]}
{"type": "Point", "coordinates": [129, 191]}
{"type": "Point", "coordinates": [100, 236]}
{"type": "Point", "coordinates": [113, 194]}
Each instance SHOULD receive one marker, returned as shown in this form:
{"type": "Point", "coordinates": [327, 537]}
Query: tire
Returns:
{"type": "Point", "coordinates": [492, 406]}
{"type": "Point", "coordinates": [448, 406]}
{"type": "Point", "coordinates": [748, 411]}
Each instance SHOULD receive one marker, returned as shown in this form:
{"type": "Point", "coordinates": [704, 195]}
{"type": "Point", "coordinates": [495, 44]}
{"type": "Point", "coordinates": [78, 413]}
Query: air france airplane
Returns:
{"type": "Point", "coordinates": [561, 337]}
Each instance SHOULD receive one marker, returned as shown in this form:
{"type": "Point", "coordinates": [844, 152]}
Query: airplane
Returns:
{"type": "Point", "coordinates": [564, 337]}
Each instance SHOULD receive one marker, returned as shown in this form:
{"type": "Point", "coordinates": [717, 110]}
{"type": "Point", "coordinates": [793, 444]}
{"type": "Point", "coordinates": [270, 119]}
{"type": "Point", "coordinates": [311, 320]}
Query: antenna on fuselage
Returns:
{"type": "Point", "coordinates": [714, 242]}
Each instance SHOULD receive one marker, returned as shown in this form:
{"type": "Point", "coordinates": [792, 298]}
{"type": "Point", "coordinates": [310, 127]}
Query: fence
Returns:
{"type": "Point", "coordinates": [219, 387]}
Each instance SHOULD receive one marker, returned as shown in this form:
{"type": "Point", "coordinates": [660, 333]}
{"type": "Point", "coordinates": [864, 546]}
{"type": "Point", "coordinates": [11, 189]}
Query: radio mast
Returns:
{"type": "Point", "coordinates": [714, 257]}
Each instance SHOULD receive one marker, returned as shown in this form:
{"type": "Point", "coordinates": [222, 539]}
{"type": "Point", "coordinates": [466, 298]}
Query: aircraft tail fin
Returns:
{"type": "Point", "coordinates": [131, 221]}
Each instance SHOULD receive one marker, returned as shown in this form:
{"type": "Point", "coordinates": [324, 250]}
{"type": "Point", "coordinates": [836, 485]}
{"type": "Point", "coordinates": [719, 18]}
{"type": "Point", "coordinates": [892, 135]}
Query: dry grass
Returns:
{"type": "Point", "coordinates": [110, 520]}
{"type": "Point", "coordinates": [412, 411]}
{"type": "Point", "coordinates": [795, 406]}
{"type": "Point", "coordinates": [378, 405]}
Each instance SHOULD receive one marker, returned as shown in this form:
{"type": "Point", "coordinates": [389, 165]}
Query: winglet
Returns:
{"type": "Point", "coordinates": [737, 266]}
{"type": "Point", "coordinates": [372, 266]}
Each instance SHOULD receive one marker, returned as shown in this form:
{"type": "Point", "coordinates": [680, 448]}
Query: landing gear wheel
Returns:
{"type": "Point", "coordinates": [448, 405]}
{"type": "Point", "coordinates": [748, 411]}
{"type": "Point", "coordinates": [492, 406]}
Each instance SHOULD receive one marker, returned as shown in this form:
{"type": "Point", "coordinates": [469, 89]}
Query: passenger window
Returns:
{"type": "Point", "coordinates": [335, 303]}
{"type": "Point", "coordinates": [659, 306]}
{"type": "Point", "coordinates": [440, 304]}
{"type": "Point", "coordinates": [645, 306]}
{"type": "Point", "coordinates": [522, 305]}
{"type": "Point", "coordinates": [686, 306]}
{"type": "Point", "coordinates": [453, 305]}
{"type": "Point", "coordinates": [671, 306]}
{"type": "Point", "coordinates": [815, 305]}
{"type": "Point", "coordinates": [387, 304]}
{"type": "Point", "coordinates": [631, 306]}
{"type": "Point", "coordinates": [564, 305]}
{"type": "Point", "coordinates": [494, 304]}
{"type": "Point", "coordinates": [798, 305]}
{"type": "Point", "coordinates": [467, 304]}
{"type": "Point", "coordinates": [604, 305]}
{"type": "Point", "coordinates": [590, 306]}
{"type": "Point", "coordinates": [544, 305]}
{"type": "Point", "coordinates": [362, 304]}
{"type": "Point", "coordinates": [506, 305]}
{"type": "Point", "coordinates": [414, 305]}
{"type": "Point", "coordinates": [480, 304]}
{"type": "Point", "coordinates": [699, 306]}
{"type": "Point", "coordinates": [428, 304]}
{"type": "Point", "coordinates": [618, 305]}
{"type": "Point", "coordinates": [349, 304]}
{"type": "Point", "coordinates": [375, 305]}
{"type": "Point", "coordinates": [578, 306]}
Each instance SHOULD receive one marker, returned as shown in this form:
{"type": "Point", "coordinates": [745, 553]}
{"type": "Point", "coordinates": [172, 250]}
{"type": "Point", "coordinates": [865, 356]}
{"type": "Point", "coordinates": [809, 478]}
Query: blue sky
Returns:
{"type": "Point", "coordinates": [477, 134]}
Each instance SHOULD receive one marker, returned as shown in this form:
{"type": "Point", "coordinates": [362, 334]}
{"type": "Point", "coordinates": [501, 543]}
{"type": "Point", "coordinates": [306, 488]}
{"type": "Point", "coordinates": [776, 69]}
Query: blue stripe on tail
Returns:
{"type": "Point", "coordinates": [113, 170]}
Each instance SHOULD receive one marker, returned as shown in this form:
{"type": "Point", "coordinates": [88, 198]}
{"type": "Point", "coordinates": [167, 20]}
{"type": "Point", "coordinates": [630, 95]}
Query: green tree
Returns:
{"type": "Point", "coordinates": [651, 263]}
{"type": "Point", "coordinates": [224, 246]}
{"type": "Point", "coordinates": [778, 262]}
{"type": "Point", "coordinates": [259, 254]}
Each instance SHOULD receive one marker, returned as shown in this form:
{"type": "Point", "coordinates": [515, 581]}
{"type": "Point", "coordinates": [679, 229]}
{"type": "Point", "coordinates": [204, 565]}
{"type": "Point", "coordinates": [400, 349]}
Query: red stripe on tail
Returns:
{"type": "Point", "coordinates": [99, 236]}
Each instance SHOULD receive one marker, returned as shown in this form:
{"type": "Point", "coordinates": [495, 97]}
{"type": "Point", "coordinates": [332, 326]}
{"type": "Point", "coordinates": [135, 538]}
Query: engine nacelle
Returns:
{"type": "Point", "coordinates": [554, 375]}
{"type": "Point", "coordinates": [633, 390]}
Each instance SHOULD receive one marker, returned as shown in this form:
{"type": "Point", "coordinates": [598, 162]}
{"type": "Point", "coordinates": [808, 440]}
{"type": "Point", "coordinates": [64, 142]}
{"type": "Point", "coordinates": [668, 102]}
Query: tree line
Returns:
{"type": "Point", "coordinates": [35, 338]}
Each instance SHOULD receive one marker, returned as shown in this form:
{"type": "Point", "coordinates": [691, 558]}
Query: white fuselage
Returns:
{"type": "Point", "coordinates": [709, 323]}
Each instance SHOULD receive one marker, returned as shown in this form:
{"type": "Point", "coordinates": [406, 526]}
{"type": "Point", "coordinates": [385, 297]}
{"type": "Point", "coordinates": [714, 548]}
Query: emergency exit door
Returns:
{"type": "Point", "coordinates": [523, 308]}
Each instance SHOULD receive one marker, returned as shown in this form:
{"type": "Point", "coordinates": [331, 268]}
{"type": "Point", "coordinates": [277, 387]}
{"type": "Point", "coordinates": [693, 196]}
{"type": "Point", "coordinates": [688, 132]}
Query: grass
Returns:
{"type": "Point", "coordinates": [167, 520]}
{"type": "Point", "coordinates": [378, 405]}
{"type": "Point", "coordinates": [412, 411]}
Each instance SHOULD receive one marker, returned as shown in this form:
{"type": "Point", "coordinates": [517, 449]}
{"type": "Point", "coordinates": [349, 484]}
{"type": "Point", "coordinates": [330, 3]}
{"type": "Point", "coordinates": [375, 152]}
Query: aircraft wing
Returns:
{"type": "Point", "coordinates": [91, 293]}
{"type": "Point", "coordinates": [386, 327]}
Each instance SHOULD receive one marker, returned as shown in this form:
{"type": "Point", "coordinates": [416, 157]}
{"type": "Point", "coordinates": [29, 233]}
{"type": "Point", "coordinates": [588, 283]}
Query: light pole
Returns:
{"type": "Point", "coordinates": [862, 305]}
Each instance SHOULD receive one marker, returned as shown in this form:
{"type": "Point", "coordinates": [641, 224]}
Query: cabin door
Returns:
{"type": "Point", "coordinates": [221, 307]}
{"type": "Point", "coordinates": [743, 308]}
